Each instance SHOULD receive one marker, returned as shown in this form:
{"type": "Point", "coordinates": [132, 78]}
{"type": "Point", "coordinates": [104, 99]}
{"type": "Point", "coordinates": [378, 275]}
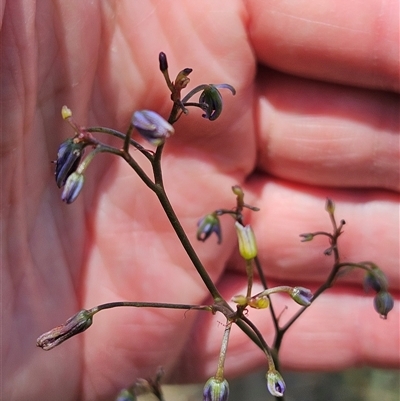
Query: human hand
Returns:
{"type": "Point", "coordinates": [290, 137]}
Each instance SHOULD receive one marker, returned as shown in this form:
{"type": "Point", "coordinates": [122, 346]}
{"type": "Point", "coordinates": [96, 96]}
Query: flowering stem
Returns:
{"type": "Point", "coordinates": [118, 134]}
{"type": "Point", "coordinates": [265, 286]}
{"type": "Point", "coordinates": [110, 305]}
{"type": "Point", "coordinates": [249, 273]}
{"type": "Point", "coordinates": [333, 239]}
{"type": "Point", "coordinates": [169, 211]}
{"type": "Point", "coordinates": [222, 354]}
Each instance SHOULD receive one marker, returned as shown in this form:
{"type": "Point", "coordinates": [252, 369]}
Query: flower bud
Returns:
{"type": "Point", "coordinates": [126, 395]}
{"type": "Point", "coordinates": [72, 187]}
{"type": "Point", "coordinates": [258, 302]}
{"type": "Point", "coordinates": [330, 206]}
{"type": "Point", "coordinates": [151, 126]}
{"type": "Point", "coordinates": [383, 303]}
{"type": "Point", "coordinates": [216, 390]}
{"type": "Point", "coordinates": [74, 325]}
{"type": "Point", "coordinates": [306, 237]}
{"type": "Point", "coordinates": [207, 225]}
{"type": "Point", "coordinates": [68, 158]}
{"type": "Point", "coordinates": [162, 59]}
{"type": "Point", "coordinates": [276, 385]}
{"type": "Point", "coordinates": [211, 99]}
{"type": "Point", "coordinates": [301, 295]}
{"type": "Point", "coordinates": [247, 241]}
{"type": "Point", "coordinates": [240, 300]}
{"type": "Point", "coordinates": [375, 279]}
{"type": "Point", "coordinates": [66, 112]}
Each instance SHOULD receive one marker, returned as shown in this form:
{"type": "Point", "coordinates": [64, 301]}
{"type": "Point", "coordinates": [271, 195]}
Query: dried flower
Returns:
{"type": "Point", "coordinates": [258, 302]}
{"type": "Point", "coordinates": [74, 325]}
{"type": "Point", "coordinates": [207, 225]}
{"type": "Point", "coordinates": [72, 187]}
{"type": "Point", "coordinates": [301, 295]}
{"type": "Point", "coordinates": [151, 126]}
{"type": "Point", "coordinates": [307, 237]}
{"type": "Point", "coordinates": [276, 385]}
{"type": "Point", "coordinates": [383, 303]}
{"type": "Point", "coordinates": [247, 241]}
{"type": "Point", "coordinates": [216, 390]}
{"type": "Point", "coordinates": [69, 156]}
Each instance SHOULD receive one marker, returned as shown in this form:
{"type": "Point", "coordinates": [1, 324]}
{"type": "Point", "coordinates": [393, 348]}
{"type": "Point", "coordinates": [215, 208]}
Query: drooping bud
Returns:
{"type": "Point", "coordinates": [301, 295]}
{"type": "Point", "coordinates": [383, 303]}
{"type": "Point", "coordinates": [375, 279]}
{"type": "Point", "coordinates": [247, 241]}
{"type": "Point", "coordinates": [207, 225]}
{"type": "Point", "coordinates": [68, 158]}
{"type": "Point", "coordinates": [306, 237]}
{"type": "Point", "coordinates": [74, 325]}
{"type": "Point", "coordinates": [151, 126]}
{"type": "Point", "coordinates": [276, 385]}
{"type": "Point", "coordinates": [216, 390]}
{"type": "Point", "coordinates": [211, 98]}
{"type": "Point", "coordinates": [72, 187]}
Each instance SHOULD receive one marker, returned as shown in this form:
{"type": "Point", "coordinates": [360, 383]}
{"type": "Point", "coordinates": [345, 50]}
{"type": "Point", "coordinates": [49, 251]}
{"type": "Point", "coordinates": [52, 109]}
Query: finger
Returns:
{"type": "Point", "coordinates": [323, 134]}
{"type": "Point", "coordinates": [354, 43]}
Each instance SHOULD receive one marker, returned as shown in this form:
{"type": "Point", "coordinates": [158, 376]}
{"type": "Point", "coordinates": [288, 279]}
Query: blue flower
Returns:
{"type": "Point", "coordinates": [216, 390]}
{"type": "Point", "coordinates": [207, 225]}
{"type": "Point", "coordinates": [69, 156]}
{"type": "Point", "coordinates": [151, 126]}
{"type": "Point", "coordinates": [72, 187]}
{"type": "Point", "coordinates": [276, 385]}
{"type": "Point", "coordinates": [301, 295]}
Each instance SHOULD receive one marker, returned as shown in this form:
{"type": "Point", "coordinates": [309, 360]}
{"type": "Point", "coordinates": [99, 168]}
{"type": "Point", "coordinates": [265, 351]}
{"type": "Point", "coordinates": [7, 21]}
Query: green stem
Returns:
{"type": "Point", "coordinates": [169, 211]}
{"type": "Point", "coordinates": [110, 305]}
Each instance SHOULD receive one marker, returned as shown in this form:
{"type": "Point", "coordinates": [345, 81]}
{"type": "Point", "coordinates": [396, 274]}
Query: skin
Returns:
{"type": "Point", "coordinates": [315, 116]}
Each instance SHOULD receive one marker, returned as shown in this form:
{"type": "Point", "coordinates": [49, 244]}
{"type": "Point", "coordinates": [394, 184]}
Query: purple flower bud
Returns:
{"type": "Point", "coordinates": [68, 158]}
{"type": "Point", "coordinates": [207, 225]}
{"type": "Point", "coordinates": [151, 126]}
{"type": "Point", "coordinates": [211, 99]}
{"type": "Point", "coordinates": [74, 325]}
{"type": "Point", "coordinates": [276, 385]}
{"type": "Point", "coordinates": [162, 59]}
{"type": "Point", "coordinates": [375, 279]}
{"type": "Point", "coordinates": [72, 187]}
{"type": "Point", "coordinates": [216, 390]}
{"type": "Point", "coordinates": [301, 295]}
{"type": "Point", "coordinates": [383, 303]}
